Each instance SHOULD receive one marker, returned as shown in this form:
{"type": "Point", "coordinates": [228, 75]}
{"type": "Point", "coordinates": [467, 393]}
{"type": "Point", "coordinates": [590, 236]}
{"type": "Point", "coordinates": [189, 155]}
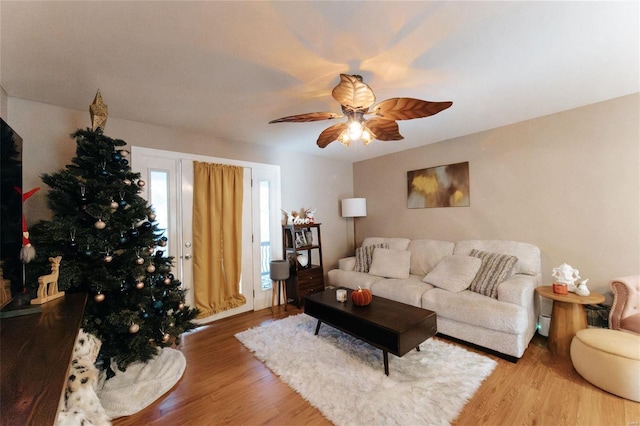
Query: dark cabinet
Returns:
{"type": "Point", "coordinates": [302, 247]}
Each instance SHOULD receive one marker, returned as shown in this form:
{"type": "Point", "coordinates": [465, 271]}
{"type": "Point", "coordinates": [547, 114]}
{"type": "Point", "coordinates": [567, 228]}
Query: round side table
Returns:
{"type": "Point", "coordinates": [568, 316]}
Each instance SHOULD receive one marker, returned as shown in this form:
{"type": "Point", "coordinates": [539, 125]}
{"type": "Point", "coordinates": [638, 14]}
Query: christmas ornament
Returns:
{"type": "Point", "coordinates": [162, 242]}
{"type": "Point", "coordinates": [99, 112]}
{"type": "Point", "coordinates": [133, 233]}
{"type": "Point", "coordinates": [108, 258]}
{"type": "Point", "coordinates": [146, 226]}
{"type": "Point", "coordinates": [151, 216]}
{"type": "Point", "coordinates": [127, 182]}
{"type": "Point", "coordinates": [114, 205]}
{"type": "Point", "coordinates": [159, 253]}
{"type": "Point", "coordinates": [151, 268]}
{"type": "Point", "coordinates": [165, 337]}
{"type": "Point", "coordinates": [100, 224]}
{"type": "Point", "coordinates": [141, 183]}
{"type": "Point", "coordinates": [181, 305]}
{"type": "Point", "coordinates": [157, 304]}
{"type": "Point", "coordinates": [124, 162]}
{"type": "Point", "coordinates": [98, 297]}
{"type": "Point", "coordinates": [123, 239]}
{"type": "Point", "coordinates": [116, 156]}
{"type": "Point", "coordinates": [88, 251]}
{"type": "Point", "coordinates": [134, 328]}
{"type": "Point", "coordinates": [83, 195]}
{"type": "Point", "coordinates": [139, 261]}
{"type": "Point", "coordinates": [139, 285]}
{"type": "Point", "coordinates": [167, 281]}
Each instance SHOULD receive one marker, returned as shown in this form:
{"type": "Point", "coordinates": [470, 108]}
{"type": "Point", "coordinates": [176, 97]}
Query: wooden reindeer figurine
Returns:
{"type": "Point", "coordinates": [48, 284]}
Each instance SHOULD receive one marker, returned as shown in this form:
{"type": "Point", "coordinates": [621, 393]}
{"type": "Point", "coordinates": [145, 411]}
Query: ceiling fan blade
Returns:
{"type": "Point", "coordinates": [330, 134]}
{"type": "Point", "coordinates": [408, 108]}
{"type": "Point", "coordinates": [312, 116]}
{"type": "Point", "coordinates": [384, 130]}
{"type": "Point", "coordinates": [353, 94]}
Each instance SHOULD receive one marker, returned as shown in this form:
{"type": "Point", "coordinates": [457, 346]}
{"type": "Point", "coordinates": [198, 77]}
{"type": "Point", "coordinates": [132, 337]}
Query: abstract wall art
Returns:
{"type": "Point", "coordinates": [441, 186]}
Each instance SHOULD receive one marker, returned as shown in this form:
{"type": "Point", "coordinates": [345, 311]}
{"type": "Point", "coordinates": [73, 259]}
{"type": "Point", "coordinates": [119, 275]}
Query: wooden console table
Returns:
{"type": "Point", "coordinates": [35, 353]}
{"type": "Point", "coordinates": [568, 316]}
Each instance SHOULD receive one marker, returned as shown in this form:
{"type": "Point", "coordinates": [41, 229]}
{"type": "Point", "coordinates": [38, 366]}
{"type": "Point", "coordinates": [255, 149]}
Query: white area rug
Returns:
{"type": "Point", "coordinates": [130, 391]}
{"type": "Point", "coordinates": [344, 377]}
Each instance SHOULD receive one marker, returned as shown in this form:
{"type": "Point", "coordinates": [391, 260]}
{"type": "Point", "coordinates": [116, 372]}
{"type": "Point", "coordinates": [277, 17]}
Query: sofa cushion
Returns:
{"type": "Point", "coordinates": [394, 243]}
{"type": "Point", "coordinates": [469, 307]}
{"type": "Point", "coordinates": [408, 291]}
{"type": "Point", "coordinates": [364, 255]}
{"type": "Point", "coordinates": [454, 273]}
{"type": "Point", "coordinates": [528, 255]}
{"type": "Point", "coordinates": [495, 269]}
{"type": "Point", "coordinates": [390, 263]}
{"type": "Point", "coordinates": [425, 254]}
{"type": "Point", "coordinates": [351, 279]}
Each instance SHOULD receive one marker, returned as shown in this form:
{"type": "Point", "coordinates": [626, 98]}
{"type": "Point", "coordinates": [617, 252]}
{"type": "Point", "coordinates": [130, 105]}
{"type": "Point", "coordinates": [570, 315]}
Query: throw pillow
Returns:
{"type": "Point", "coordinates": [364, 255]}
{"type": "Point", "coordinates": [454, 273]}
{"type": "Point", "coordinates": [495, 269]}
{"type": "Point", "coordinates": [390, 263]}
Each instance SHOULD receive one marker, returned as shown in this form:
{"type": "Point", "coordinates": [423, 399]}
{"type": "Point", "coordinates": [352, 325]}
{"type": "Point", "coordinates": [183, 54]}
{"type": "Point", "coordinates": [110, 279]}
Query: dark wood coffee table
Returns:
{"type": "Point", "coordinates": [388, 325]}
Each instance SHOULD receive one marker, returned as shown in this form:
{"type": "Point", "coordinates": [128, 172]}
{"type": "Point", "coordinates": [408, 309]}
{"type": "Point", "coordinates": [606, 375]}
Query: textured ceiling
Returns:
{"type": "Point", "coordinates": [226, 68]}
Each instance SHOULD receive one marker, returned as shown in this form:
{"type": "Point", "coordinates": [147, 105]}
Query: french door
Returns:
{"type": "Point", "coordinates": [169, 189]}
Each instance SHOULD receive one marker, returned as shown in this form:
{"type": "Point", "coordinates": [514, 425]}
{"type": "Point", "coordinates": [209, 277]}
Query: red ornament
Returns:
{"type": "Point", "coordinates": [361, 297]}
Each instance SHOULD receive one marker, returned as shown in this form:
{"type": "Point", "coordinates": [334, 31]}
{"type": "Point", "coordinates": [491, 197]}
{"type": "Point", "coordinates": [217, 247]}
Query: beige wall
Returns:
{"type": "Point", "coordinates": [4, 100]}
{"type": "Point", "coordinates": [307, 181]}
{"type": "Point", "coordinates": [568, 183]}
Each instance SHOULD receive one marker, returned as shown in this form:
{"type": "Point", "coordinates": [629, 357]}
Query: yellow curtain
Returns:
{"type": "Point", "coordinates": [217, 237]}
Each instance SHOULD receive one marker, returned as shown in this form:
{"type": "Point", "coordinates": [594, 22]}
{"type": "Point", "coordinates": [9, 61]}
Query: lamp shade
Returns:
{"type": "Point", "coordinates": [279, 270]}
{"type": "Point", "coordinates": [354, 207]}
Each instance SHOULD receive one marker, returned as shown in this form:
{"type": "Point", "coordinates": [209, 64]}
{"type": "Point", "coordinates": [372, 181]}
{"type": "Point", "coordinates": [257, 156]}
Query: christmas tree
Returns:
{"type": "Point", "coordinates": [111, 247]}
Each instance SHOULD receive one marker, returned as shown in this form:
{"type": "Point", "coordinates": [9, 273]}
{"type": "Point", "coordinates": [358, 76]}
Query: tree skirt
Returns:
{"type": "Point", "coordinates": [344, 377]}
{"type": "Point", "coordinates": [131, 391]}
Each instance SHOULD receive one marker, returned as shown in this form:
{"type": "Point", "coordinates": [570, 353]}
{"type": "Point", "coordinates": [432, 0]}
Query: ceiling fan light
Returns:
{"type": "Point", "coordinates": [367, 137]}
{"type": "Point", "coordinates": [344, 139]}
{"type": "Point", "coordinates": [355, 130]}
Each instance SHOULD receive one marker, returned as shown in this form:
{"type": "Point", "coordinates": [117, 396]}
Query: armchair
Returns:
{"type": "Point", "coordinates": [625, 311]}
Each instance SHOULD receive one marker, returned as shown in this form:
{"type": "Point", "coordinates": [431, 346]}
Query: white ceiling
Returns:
{"type": "Point", "coordinates": [227, 68]}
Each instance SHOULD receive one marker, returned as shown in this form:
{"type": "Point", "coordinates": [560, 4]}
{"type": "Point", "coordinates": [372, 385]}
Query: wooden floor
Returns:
{"type": "Point", "coordinates": [224, 384]}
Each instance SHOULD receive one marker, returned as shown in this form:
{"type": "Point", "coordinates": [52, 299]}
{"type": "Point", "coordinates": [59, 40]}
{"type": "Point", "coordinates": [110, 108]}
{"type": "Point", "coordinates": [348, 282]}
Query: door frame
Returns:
{"type": "Point", "coordinates": [270, 172]}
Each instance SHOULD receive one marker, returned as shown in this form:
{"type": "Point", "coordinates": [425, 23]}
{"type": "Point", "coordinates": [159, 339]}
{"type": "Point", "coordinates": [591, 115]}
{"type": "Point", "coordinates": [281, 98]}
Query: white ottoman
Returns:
{"type": "Point", "coordinates": [609, 359]}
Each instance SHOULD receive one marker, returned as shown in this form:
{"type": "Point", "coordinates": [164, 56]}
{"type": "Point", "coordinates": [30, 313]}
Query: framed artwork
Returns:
{"type": "Point", "coordinates": [441, 186]}
{"type": "Point", "coordinates": [301, 241]}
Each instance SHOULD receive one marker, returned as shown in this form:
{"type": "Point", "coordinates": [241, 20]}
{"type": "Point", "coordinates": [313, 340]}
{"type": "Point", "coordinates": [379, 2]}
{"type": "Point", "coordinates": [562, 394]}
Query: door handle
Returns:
{"type": "Point", "coordinates": [187, 256]}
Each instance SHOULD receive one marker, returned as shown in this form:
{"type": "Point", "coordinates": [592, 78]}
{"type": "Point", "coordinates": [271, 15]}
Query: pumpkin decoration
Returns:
{"type": "Point", "coordinates": [361, 297]}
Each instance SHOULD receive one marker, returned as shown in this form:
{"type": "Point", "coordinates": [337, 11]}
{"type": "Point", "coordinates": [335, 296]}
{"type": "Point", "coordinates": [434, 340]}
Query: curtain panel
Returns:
{"type": "Point", "coordinates": [217, 237]}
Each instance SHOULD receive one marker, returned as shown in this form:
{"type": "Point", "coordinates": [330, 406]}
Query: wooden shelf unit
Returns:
{"type": "Point", "coordinates": [303, 279]}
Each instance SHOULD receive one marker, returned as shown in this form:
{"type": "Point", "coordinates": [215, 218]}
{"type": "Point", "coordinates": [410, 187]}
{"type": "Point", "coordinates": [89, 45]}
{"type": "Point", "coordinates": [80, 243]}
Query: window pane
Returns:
{"type": "Point", "coordinates": [159, 193]}
{"type": "Point", "coordinates": [265, 245]}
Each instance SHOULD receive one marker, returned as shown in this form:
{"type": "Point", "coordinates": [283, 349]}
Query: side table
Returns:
{"type": "Point", "coordinates": [568, 316]}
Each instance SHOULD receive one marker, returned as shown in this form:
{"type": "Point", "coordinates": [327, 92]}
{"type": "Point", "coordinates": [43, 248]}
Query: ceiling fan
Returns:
{"type": "Point", "coordinates": [356, 98]}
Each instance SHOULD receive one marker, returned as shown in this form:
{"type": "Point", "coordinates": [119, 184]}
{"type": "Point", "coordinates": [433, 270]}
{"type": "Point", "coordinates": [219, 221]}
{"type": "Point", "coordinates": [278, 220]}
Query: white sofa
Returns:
{"type": "Point", "coordinates": [430, 276]}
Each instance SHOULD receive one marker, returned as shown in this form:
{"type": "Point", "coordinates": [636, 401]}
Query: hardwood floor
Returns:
{"type": "Point", "coordinates": [224, 384]}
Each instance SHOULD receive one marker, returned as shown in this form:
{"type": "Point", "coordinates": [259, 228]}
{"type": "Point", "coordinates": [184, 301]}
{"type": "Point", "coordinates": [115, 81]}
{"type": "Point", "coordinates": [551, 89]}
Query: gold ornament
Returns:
{"type": "Point", "coordinates": [99, 112]}
{"type": "Point", "coordinates": [134, 328]}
